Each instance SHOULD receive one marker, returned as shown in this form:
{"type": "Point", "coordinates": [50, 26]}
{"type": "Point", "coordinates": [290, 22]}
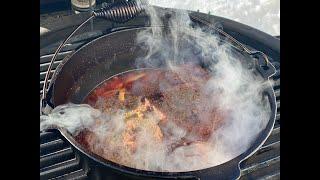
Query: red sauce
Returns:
{"type": "Point", "coordinates": [175, 95]}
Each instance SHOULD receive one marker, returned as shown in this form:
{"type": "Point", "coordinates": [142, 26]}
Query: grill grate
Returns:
{"type": "Point", "coordinates": [58, 160]}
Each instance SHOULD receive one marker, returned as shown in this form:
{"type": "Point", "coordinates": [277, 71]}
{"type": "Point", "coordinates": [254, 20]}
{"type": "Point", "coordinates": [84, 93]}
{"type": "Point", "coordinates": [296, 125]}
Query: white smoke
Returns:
{"type": "Point", "coordinates": [261, 14]}
{"type": "Point", "coordinates": [72, 117]}
{"type": "Point", "coordinates": [232, 87]}
{"type": "Point", "coordinates": [240, 90]}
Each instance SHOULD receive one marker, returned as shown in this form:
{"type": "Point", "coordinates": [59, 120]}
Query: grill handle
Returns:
{"type": "Point", "coordinates": [122, 11]}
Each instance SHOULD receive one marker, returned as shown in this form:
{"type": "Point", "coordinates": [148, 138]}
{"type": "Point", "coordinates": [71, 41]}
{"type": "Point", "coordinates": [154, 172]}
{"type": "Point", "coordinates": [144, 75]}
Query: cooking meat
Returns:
{"type": "Point", "coordinates": [152, 101]}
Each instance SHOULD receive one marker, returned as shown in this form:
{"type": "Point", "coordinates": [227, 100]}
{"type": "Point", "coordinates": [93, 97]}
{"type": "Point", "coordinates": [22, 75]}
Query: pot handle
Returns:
{"type": "Point", "coordinates": [131, 10]}
{"type": "Point", "coordinates": [263, 64]}
{"type": "Point", "coordinates": [44, 100]}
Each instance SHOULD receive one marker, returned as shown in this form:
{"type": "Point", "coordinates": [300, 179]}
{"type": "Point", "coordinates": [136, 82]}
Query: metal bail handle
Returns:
{"type": "Point", "coordinates": [266, 69]}
{"type": "Point", "coordinates": [116, 12]}
{"type": "Point", "coordinates": [263, 65]}
{"type": "Point", "coordinates": [44, 101]}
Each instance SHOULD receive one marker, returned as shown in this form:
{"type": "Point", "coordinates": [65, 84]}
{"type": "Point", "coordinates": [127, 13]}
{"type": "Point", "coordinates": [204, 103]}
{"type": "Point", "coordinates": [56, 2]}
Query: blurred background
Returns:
{"type": "Point", "coordinates": [261, 14]}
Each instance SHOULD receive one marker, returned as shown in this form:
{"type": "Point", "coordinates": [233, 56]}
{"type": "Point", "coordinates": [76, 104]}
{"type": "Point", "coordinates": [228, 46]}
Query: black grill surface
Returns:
{"type": "Point", "coordinates": [58, 159]}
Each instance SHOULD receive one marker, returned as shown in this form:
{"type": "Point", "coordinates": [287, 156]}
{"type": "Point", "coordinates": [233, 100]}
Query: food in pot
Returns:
{"type": "Point", "coordinates": [152, 108]}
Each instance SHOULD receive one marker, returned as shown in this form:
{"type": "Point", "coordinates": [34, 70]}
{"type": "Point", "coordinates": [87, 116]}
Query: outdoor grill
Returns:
{"type": "Point", "coordinates": [58, 159]}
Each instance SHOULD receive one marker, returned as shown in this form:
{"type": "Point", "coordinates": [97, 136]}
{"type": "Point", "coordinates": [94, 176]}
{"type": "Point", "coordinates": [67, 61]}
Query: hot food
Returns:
{"type": "Point", "coordinates": [167, 107]}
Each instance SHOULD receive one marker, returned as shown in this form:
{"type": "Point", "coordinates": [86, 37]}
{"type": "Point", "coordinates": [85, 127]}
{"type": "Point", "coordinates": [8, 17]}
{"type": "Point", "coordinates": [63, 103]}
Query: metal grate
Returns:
{"type": "Point", "coordinates": [58, 160]}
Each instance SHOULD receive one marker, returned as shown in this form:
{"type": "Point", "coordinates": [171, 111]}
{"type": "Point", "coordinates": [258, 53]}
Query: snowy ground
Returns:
{"type": "Point", "coordinates": [261, 14]}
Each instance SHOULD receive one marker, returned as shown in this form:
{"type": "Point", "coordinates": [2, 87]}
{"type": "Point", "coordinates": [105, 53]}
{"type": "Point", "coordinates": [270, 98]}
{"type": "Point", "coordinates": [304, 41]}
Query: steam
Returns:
{"type": "Point", "coordinates": [238, 89]}
{"type": "Point", "coordinates": [261, 14]}
{"type": "Point", "coordinates": [72, 117]}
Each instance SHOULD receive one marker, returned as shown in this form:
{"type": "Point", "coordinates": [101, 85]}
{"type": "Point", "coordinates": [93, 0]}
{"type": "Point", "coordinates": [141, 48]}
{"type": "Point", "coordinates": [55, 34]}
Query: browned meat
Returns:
{"type": "Point", "coordinates": [169, 95]}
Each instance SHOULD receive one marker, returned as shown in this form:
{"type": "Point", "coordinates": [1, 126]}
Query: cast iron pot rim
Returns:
{"type": "Point", "coordinates": [183, 174]}
{"type": "Point", "coordinates": [68, 57]}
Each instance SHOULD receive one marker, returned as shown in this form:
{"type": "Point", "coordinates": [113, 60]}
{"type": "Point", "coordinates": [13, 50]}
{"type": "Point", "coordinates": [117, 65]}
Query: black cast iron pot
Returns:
{"type": "Point", "coordinates": [114, 53]}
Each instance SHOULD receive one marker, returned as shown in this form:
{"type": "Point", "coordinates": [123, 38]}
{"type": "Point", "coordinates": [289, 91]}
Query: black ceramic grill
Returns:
{"type": "Point", "coordinates": [58, 160]}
